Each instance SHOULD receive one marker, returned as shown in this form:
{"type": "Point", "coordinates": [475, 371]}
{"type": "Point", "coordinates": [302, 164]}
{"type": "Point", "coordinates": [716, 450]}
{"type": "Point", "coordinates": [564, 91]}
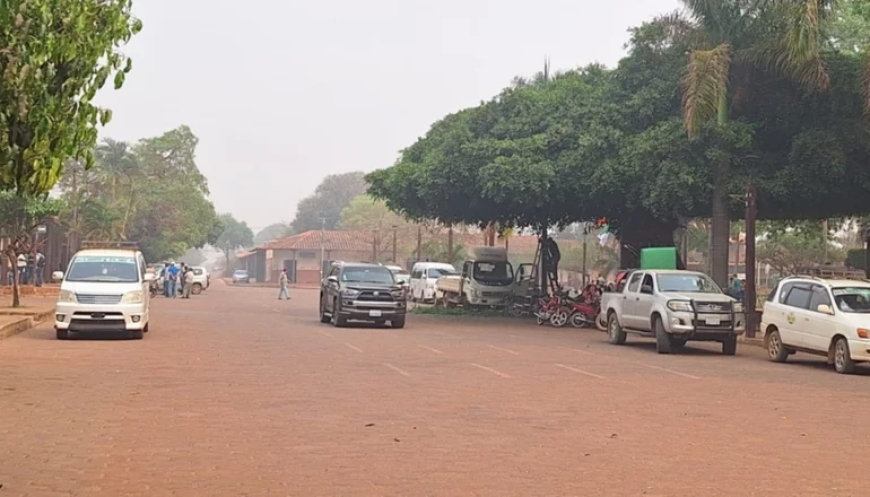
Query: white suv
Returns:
{"type": "Point", "coordinates": [825, 317]}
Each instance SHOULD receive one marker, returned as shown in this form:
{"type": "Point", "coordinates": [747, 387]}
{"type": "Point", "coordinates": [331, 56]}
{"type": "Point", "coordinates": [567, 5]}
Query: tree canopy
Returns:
{"type": "Point", "coordinates": [56, 55]}
{"type": "Point", "coordinates": [271, 232]}
{"type": "Point", "coordinates": [152, 193]}
{"type": "Point", "coordinates": [597, 142]}
{"type": "Point", "coordinates": [235, 235]}
{"type": "Point", "coordinates": [323, 208]}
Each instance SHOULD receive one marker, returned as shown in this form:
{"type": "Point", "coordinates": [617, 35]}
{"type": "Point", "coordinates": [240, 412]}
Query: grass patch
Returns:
{"type": "Point", "coordinates": [456, 311]}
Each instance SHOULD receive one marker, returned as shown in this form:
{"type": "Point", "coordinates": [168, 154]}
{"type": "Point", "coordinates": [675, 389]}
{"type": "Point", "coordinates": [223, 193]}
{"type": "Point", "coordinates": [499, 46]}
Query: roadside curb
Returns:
{"type": "Point", "coordinates": [23, 324]}
{"type": "Point", "coordinates": [755, 342]}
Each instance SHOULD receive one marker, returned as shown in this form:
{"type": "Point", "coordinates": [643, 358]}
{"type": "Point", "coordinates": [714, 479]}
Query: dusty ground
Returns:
{"type": "Point", "coordinates": [235, 393]}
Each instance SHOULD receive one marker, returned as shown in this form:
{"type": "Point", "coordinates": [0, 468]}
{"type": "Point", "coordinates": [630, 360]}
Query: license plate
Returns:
{"type": "Point", "coordinates": [374, 314]}
{"type": "Point", "coordinates": [713, 321]}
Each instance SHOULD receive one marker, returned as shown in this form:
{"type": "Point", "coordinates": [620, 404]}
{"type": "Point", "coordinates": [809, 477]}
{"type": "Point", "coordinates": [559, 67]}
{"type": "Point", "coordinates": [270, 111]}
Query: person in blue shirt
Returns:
{"type": "Point", "coordinates": [171, 280]}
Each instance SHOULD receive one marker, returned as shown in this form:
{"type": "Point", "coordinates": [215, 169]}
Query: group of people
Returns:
{"type": "Point", "coordinates": [30, 268]}
{"type": "Point", "coordinates": [177, 280]}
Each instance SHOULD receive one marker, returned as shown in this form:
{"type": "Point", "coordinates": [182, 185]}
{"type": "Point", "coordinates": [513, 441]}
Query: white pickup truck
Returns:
{"type": "Point", "coordinates": [674, 307]}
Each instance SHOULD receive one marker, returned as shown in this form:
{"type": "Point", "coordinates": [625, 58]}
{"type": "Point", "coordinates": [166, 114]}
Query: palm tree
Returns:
{"type": "Point", "coordinates": [728, 41]}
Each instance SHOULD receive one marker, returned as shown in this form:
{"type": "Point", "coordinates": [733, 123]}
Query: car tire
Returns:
{"type": "Point", "coordinates": [146, 328]}
{"type": "Point", "coordinates": [615, 332]}
{"type": "Point", "coordinates": [678, 342]}
{"type": "Point", "coordinates": [324, 318]}
{"type": "Point", "coordinates": [843, 362]}
{"type": "Point", "coordinates": [338, 320]}
{"type": "Point", "coordinates": [729, 345]}
{"type": "Point", "coordinates": [136, 335]}
{"type": "Point", "coordinates": [776, 350]}
{"type": "Point", "coordinates": [196, 289]}
{"type": "Point", "coordinates": [397, 323]}
{"type": "Point", "coordinates": [663, 339]}
{"type": "Point", "coordinates": [62, 334]}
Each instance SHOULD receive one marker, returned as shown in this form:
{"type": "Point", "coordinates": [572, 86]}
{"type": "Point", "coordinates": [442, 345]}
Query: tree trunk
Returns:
{"type": "Point", "coordinates": [16, 298]}
{"type": "Point", "coordinates": [450, 254]}
{"type": "Point", "coordinates": [720, 227]}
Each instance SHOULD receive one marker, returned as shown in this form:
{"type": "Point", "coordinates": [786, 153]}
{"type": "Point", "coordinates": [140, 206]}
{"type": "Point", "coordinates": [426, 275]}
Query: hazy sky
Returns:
{"type": "Point", "coordinates": [283, 93]}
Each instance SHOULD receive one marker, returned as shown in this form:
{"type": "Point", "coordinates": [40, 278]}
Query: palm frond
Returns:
{"type": "Point", "coordinates": [807, 69]}
{"type": "Point", "coordinates": [705, 84]}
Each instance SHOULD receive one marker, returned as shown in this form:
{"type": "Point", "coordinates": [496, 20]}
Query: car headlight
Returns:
{"type": "Point", "coordinates": [349, 292]}
{"type": "Point", "coordinates": [680, 305]}
{"type": "Point", "coordinates": [134, 297]}
{"type": "Point", "coordinates": [397, 294]}
{"type": "Point", "coordinates": [737, 306]}
{"type": "Point", "coordinates": [66, 296]}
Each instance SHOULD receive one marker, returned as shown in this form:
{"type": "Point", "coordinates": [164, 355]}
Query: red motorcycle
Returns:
{"type": "Point", "coordinates": [553, 310]}
{"type": "Point", "coordinates": [583, 314]}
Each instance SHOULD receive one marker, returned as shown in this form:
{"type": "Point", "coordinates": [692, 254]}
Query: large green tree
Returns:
{"type": "Point", "coordinates": [236, 235]}
{"type": "Point", "coordinates": [323, 208]}
{"type": "Point", "coordinates": [152, 193]}
{"type": "Point", "coordinates": [730, 42]}
{"type": "Point", "coordinates": [55, 56]}
{"type": "Point", "coordinates": [598, 143]}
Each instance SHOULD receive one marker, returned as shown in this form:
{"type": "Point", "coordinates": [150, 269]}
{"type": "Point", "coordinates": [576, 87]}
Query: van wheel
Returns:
{"type": "Point", "coordinates": [843, 362]}
{"type": "Point", "coordinates": [196, 289]}
{"type": "Point", "coordinates": [147, 325]}
{"type": "Point", "coordinates": [776, 351]}
{"type": "Point", "coordinates": [136, 334]}
{"type": "Point", "coordinates": [62, 334]}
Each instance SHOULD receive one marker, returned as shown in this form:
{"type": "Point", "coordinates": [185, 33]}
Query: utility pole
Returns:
{"type": "Point", "coordinates": [751, 212]}
{"type": "Point", "coordinates": [395, 248]}
{"type": "Point", "coordinates": [450, 254]}
{"type": "Point", "coordinates": [585, 232]}
{"type": "Point", "coordinates": [419, 242]}
{"type": "Point", "coordinates": [322, 245]}
{"type": "Point", "coordinates": [825, 241]}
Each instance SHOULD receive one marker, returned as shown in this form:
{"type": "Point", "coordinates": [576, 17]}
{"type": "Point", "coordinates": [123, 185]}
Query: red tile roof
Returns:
{"type": "Point", "coordinates": [345, 241]}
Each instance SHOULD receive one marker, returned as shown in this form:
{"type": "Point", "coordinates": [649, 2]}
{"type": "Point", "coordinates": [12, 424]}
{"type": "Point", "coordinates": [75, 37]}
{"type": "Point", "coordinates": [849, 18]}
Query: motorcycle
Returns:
{"type": "Point", "coordinates": [553, 310]}
{"type": "Point", "coordinates": [583, 314]}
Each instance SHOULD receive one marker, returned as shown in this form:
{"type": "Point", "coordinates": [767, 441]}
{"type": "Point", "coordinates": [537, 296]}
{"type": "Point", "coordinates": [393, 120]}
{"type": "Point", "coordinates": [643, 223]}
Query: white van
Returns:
{"type": "Point", "coordinates": [103, 290]}
{"type": "Point", "coordinates": [423, 278]}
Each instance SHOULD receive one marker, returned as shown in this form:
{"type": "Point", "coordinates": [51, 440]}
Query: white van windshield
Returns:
{"type": "Point", "coordinates": [103, 269]}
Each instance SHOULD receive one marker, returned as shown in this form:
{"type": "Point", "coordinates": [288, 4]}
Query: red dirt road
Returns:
{"type": "Point", "coordinates": [235, 393]}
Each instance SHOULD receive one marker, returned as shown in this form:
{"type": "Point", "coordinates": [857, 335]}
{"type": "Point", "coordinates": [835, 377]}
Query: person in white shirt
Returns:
{"type": "Point", "coordinates": [188, 282]}
{"type": "Point", "coordinates": [284, 283]}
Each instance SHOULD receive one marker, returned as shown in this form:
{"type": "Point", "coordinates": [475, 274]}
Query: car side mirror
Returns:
{"type": "Point", "coordinates": [332, 279]}
{"type": "Point", "coordinates": [57, 275]}
{"type": "Point", "coordinates": [403, 283]}
{"type": "Point", "coordinates": [149, 277]}
{"type": "Point", "coordinates": [646, 289]}
{"type": "Point", "coordinates": [825, 309]}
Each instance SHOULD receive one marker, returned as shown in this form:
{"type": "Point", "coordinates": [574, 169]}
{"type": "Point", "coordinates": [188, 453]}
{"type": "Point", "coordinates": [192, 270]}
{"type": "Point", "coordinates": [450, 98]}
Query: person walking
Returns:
{"type": "Point", "coordinates": [40, 268]}
{"type": "Point", "coordinates": [284, 283]}
{"type": "Point", "coordinates": [188, 282]}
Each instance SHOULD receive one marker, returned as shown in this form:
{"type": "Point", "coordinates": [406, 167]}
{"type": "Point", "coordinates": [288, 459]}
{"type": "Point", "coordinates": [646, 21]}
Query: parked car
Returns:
{"type": "Point", "coordinates": [241, 276]}
{"type": "Point", "coordinates": [362, 292]}
{"type": "Point", "coordinates": [423, 277]}
{"type": "Point", "coordinates": [201, 280]}
{"type": "Point", "coordinates": [824, 317]}
{"type": "Point", "coordinates": [673, 306]}
{"type": "Point", "coordinates": [400, 274]}
{"type": "Point", "coordinates": [104, 290]}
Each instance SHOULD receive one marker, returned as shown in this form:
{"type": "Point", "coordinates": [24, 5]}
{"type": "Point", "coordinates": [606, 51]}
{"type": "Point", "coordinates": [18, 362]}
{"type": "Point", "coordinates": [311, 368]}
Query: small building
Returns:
{"type": "Point", "coordinates": [301, 255]}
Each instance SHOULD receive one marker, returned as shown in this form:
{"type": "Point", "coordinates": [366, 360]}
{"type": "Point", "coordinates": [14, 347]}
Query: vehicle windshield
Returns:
{"type": "Point", "coordinates": [103, 269]}
{"type": "Point", "coordinates": [240, 273]}
{"type": "Point", "coordinates": [435, 273]}
{"type": "Point", "coordinates": [852, 299]}
{"type": "Point", "coordinates": [690, 283]}
{"type": "Point", "coordinates": [377, 275]}
{"type": "Point", "coordinates": [493, 272]}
